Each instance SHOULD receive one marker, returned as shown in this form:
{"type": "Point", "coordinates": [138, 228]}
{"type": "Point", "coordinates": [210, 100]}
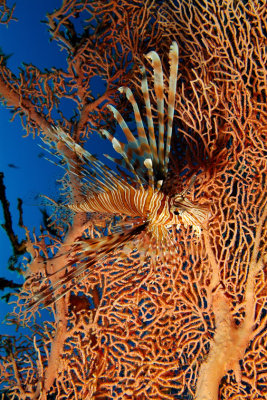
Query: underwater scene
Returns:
{"type": "Point", "coordinates": [133, 199]}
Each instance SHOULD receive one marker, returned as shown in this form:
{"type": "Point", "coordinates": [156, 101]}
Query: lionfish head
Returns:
{"type": "Point", "coordinates": [190, 213]}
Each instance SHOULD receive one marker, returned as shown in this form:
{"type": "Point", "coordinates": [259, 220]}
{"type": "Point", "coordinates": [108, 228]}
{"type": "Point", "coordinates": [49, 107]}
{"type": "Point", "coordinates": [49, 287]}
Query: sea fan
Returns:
{"type": "Point", "coordinates": [137, 199]}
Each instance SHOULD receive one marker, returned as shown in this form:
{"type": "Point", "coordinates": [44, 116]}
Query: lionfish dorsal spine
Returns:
{"type": "Point", "coordinates": [132, 147]}
{"type": "Point", "coordinates": [149, 118]}
{"type": "Point", "coordinates": [138, 150]}
{"type": "Point", "coordinates": [119, 148]}
{"type": "Point", "coordinates": [144, 148]}
{"type": "Point", "coordinates": [133, 143]}
{"type": "Point", "coordinates": [173, 60]}
{"type": "Point", "coordinates": [149, 166]}
{"type": "Point", "coordinates": [105, 177]}
{"type": "Point", "coordinates": [159, 89]}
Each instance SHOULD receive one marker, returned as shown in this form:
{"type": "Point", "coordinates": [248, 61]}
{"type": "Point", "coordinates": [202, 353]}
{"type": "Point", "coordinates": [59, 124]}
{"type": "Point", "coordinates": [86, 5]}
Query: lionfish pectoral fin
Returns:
{"type": "Point", "coordinates": [161, 245]}
{"type": "Point", "coordinates": [87, 253]}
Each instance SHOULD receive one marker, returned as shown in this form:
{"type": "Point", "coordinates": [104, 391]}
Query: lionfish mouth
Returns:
{"type": "Point", "coordinates": [190, 213]}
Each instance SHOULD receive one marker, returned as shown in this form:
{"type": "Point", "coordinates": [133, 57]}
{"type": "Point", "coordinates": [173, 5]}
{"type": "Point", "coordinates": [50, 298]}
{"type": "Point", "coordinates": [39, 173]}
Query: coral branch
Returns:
{"type": "Point", "coordinates": [18, 247]}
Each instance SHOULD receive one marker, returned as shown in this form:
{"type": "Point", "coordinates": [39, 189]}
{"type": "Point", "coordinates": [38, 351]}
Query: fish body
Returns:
{"type": "Point", "coordinates": [145, 156]}
{"type": "Point", "coordinates": [153, 206]}
{"type": "Point", "coordinates": [139, 197]}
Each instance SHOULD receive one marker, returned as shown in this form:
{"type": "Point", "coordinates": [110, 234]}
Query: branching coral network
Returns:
{"type": "Point", "coordinates": [190, 324]}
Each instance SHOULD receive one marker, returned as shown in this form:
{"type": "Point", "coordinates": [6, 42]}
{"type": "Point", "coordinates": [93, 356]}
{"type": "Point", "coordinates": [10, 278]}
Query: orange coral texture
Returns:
{"type": "Point", "coordinates": [193, 325]}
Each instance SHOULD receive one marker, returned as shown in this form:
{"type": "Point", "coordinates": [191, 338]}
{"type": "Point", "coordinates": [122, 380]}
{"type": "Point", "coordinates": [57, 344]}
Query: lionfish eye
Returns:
{"type": "Point", "coordinates": [178, 200]}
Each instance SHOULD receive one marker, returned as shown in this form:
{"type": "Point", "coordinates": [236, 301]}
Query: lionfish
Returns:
{"type": "Point", "coordinates": [138, 199]}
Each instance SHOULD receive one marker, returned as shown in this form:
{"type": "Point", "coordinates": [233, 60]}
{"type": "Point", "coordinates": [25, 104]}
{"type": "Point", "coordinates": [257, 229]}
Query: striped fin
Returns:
{"type": "Point", "coordinates": [119, 148]}
{"type": "Point", "coordinates": [97, 175]}
{"type": "Point", "coordinates": [161, 246]}
{"type": "Point", "coordinates": [132, 142]}
{"type": "Point", "coordinates": [133, 150]}
{"type": "Point", "coordinates": [87, 252]}
{"type": "Point", "coordinates": [149, 166]}
{"type": "Point", "coordinates": [158, 85]}
{"type": "Point", "coordinates": [143, 147]}
{"type": "Point", "coordinates": [173, 59]}
{"type": "Point", "coordinates": [121, 162]}
{"type": "Point", "coordinates": [150, 124]}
